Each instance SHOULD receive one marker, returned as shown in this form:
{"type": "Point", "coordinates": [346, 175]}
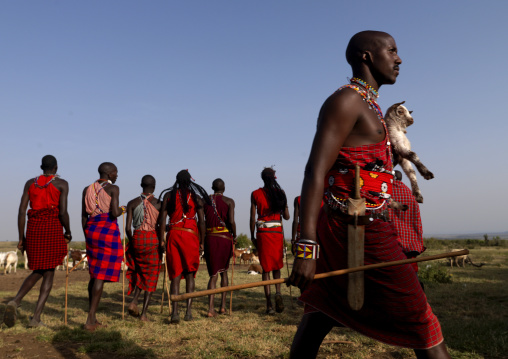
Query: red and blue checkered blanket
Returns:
{"type": "Point", "coordinates": [103, 247]}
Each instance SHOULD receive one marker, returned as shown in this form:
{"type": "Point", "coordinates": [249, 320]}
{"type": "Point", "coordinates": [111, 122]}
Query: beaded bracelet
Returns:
{"type": "Point", "coordinates": [123, 209]}
{"type": "Point", "coordinates": [307, 251]}
{"type": "Point", "coordinates": [307, 241]}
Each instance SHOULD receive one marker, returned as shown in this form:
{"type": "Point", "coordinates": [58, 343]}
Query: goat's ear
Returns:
{"type": "Point", "coordinates": [410, 112]}
{"type": "Point", "coordinates": [399, 103]}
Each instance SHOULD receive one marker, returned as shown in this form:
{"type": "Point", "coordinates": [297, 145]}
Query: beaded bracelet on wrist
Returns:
{"type": "Point", "coordinates": [307, 251]}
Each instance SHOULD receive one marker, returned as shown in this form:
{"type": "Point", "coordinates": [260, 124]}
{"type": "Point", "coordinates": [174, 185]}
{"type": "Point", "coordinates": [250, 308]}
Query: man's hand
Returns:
{"type": "Point", "coordinates": [254, 242]}
{"type": "Point", "coordinates": [68, 237]}
{"type": "Point", "coordinates": [21, 246]}
{"type": "Point", "coordinates": [303, 273]}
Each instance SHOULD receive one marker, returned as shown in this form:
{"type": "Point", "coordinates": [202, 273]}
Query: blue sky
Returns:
{"type": "Point", "coordinates": [224, 88]}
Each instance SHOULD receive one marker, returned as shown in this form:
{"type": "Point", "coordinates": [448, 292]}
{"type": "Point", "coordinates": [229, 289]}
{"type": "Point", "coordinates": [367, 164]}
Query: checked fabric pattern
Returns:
{"type": "Point", "coordinates": [143, 261]}
{"type": "Point", "coordinates": [45, 244]}
{"type": "Point", "coordinates": [407, 223]}
{"type": "Point", "coordinates": [103, 247]}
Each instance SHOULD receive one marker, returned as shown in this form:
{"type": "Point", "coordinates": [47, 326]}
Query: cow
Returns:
{"type": "Point", "coordinates": [247, 257]}
{"type": "Point", "coordinates": [255, 269]}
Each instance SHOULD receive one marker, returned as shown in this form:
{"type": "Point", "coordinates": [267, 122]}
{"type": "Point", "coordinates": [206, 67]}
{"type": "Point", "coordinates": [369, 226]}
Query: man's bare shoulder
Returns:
{"type": "Point", "coordinates": [134, 202]}
{"type": "Point", "coordinates": [60, 184]}
{"type": "Point", "coordinates": [229, 201]}
{"type": "Point", "coordinates": [346, 97]}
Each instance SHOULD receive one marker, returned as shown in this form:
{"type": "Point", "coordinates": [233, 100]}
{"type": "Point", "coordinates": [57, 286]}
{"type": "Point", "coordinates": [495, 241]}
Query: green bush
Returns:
{"type": "Point", "coordinates": [434, 274]}
{"type": "Point", "coordinates": [242, 241]}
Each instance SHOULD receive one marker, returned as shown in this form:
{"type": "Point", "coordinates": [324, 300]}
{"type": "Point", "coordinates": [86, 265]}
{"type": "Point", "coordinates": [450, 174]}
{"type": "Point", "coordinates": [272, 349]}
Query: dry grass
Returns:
{"type": "Point", "coordinates": [473, 311]}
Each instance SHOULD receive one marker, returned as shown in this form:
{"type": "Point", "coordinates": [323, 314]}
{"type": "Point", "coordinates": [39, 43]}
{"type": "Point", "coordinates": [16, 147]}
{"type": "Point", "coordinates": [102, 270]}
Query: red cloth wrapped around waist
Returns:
{"type": "Point", "coordinates": [375, 187]}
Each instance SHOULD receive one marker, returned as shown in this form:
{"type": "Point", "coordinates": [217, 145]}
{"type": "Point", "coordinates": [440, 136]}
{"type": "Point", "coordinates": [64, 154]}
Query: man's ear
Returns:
{"type": "Point", "coordinates": [367, 56]}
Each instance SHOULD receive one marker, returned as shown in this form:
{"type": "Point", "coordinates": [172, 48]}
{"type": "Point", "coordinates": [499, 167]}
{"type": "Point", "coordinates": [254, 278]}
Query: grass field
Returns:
{"type": "Point", "coordinates": [473, 311]}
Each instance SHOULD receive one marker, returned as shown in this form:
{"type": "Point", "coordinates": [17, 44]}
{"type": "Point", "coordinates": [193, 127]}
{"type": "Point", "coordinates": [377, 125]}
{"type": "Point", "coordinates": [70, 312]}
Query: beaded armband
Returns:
{"type": "Point", "coordinates": [124, 210]}
{"type": "Point", "coordinates": [307, 251]}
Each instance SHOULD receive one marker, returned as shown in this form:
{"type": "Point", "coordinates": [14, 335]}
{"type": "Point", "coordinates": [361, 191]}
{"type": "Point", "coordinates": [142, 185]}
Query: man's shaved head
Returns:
{"type": "Point", "coordinates": [48, 162]}
{"type": "Point", "coordinates": [218, 185]}
{"type": "Point", "coordinates": [106, 168]}
{"type": "Point", "coordinates": [363, 41]}
{"type": "Point", "coordinates": [148, 181]}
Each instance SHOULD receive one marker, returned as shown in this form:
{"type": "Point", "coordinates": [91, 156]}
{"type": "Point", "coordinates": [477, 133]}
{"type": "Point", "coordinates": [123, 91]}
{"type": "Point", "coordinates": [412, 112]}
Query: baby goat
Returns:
{"type": "Point", "coordinates": [397, 119]}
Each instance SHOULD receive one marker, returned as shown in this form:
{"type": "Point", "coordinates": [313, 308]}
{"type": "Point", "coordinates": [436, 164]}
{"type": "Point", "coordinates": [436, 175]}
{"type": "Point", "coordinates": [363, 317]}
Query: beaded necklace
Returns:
{"type": "Point", "coordinates": [369, 96]}
{"type": "Point", "coordinates": [214, 205]}
{"type": "Point", "coordinates": [47, 184]}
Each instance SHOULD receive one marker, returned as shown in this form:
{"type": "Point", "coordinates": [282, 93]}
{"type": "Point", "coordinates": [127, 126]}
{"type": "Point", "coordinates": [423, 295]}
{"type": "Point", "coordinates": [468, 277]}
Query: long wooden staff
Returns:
{"type": "Point", "coordinates": [167, 284]}
{"type": "Point", "coordinates": [287, 264]}
{"type": "Point", "coordinates": [123, 269]}
{"type": "Point", "coordinates": [202, 293]}
{"type": "Point", "coordinates": [163, 284]}
{"type": "Point", "coordinates": [67, 278]}
{"type": "Point", "coordinates": [232, 276]}
{"type": "Point", "coordinates": [66, 283]}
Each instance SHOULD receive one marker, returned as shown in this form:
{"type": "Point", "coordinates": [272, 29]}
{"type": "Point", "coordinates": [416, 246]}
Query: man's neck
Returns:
{"type": "Point", "coordinates": [219, 192]}
{"type": "Point", "coordinates": [49, 172]}
{"type": "Point", "coordinates": [368, 78]}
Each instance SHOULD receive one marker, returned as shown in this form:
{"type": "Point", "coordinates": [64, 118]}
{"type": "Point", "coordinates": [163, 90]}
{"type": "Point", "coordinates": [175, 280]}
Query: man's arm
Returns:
{"type": "Point", "coordinates": [231, 216]}
{"type": "Point", "coordinates": [84, 213]}
{"type": "Point", "coordinates": [114, 208]}
{"type": "Point", "coordinates": [162, 221]}
{"type": "Point", "coordinates": [201, 222]}
{"type": "Point", "coordinates": [337, 119]}
{"type": "Point", "coordinates": [63, 215]}
{"type": "Point", "coordinates": [253, 220]}
{"type": "Point", "coordinates": [285, 214]}
{"type": "Point", "coordinates": [23, 205]}
{"type": "Point", "coordinates": [128, 223]}
{"type": "Point", "coordinates": [294, 228]}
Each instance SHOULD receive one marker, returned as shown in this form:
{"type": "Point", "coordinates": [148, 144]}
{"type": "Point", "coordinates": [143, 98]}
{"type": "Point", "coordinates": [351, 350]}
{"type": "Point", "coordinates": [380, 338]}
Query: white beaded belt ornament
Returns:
{"type": "Point", "coordinates": [307, 249]}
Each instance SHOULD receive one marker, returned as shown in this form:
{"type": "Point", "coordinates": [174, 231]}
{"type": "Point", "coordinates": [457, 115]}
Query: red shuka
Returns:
{"type": "Point", "coordinates": [45, 244]}
{"type": "Point", "coordinates": [218, 240]}
{"type": "Point", "coordinates": [270, 241]}
{"type": "Point", "coordinates": [182, 252]}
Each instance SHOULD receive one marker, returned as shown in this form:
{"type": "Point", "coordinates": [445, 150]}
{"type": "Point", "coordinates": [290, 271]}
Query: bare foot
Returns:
{"type": "Point", "coordinates": [222, 311]}
{"type": "Point", "coordinates": [188, 317]}
{"type": "Point", "coordinates": [91, 327]}
{"type": "Point", "coordinates": [133, 310]}
{"type": "Point", "coordinates": [144, 318]}
{"type": "Point", "coordinates": [212, 314]}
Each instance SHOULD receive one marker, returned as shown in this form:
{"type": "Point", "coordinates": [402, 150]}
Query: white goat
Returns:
{"type": "Point", "coordinates": [9, 260]}
{"type": "Point", "coordinates": [397, 119]}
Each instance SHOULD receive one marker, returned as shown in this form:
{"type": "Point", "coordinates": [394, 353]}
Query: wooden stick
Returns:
{"type": "Point", "coordinates": [202, 293]}
{"type": "Point", "coordinates": [167, 284]}
{"type": "Point", "coordinates": [66, 283]}
{"type": "Point", "coordinates": [232, 276]}
{"type": "Point", "coordinates": [77, 265]}
{"type": "Point", "coordinates": [123, 269]}
{"type": "Point", "coordinates": [287, 264]}
{"type": "Point", "coordinates": [163, 283]}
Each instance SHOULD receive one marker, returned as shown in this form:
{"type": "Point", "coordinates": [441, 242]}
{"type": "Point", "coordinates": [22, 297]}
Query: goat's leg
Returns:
{"type": "Point", "coordinates": [413, 157]}
{"type": "Point", "coordinates": [411, 174]}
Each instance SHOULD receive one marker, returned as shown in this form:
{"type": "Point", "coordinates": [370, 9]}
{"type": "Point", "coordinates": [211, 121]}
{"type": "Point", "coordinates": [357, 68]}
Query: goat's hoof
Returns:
{"type": "Point", "coordinates": [429, 175]}
{"type": "Point", "coordinates": [419, 198]}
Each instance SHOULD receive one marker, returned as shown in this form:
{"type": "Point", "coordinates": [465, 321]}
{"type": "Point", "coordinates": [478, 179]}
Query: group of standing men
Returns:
{"type": "Point", "coordinates": [186, 222]}
{"type": "Point", "coordinates": [351, 131]}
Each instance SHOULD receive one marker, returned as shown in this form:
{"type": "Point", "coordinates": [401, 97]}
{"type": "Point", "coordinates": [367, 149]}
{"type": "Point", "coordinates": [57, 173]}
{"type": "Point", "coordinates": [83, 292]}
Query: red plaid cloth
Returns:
{"type": "Point", "coordinates": [395, 310]}
{"type": "Point", "coordinates": [143, 261]}
{"type": "Point", "coordinates": [103, 247]}
{"type": "Point", "coordinates": [45, 244]}
{"type": "Point", "coordinates": [407, 223]}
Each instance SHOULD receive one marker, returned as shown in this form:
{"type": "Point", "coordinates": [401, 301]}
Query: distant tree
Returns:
{"type": "Point", "coordinates": [496, 240]}
{"type": "Point", "coordinates": [242, 241]}
{"type": "Point", "coordinates": [486, 238]}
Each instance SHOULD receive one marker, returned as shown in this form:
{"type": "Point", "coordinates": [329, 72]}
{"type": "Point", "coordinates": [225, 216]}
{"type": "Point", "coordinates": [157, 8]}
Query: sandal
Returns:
{"type": "Point", "coordinates": [11, 314]}
{"type": "Point", "coordinates": [279, 304]}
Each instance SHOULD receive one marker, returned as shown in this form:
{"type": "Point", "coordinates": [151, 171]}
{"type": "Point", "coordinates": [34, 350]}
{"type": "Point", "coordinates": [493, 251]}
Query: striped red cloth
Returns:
{"type": "Point", "coordinates": [103, 247]}
{"type": "Point", "coordinates": [45, 244]}
{"type": "Point", "coordinates": [143, 261]}
{"type": "Point", "coordinates": [395, 311]}
{"type": "Point", "coordinates": [407, 223]}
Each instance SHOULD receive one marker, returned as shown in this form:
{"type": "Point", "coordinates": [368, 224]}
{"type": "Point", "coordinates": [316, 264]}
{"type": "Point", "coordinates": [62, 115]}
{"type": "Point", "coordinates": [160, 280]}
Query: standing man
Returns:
{"type": "Point", "coordinates": [143, 251]}
{"type": "Point", "coordinates": [270, 202]}
{"type": "Point", "coordinates": [45, 241]}
{"type": "Point", "coordinates": [351, 131]}
{"type": "Point", "coordinates": [183, 203]}
{"type": "Point", "coordinates": [99, 213]}
{"type": "Point", "coordinates": [220, 236]}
